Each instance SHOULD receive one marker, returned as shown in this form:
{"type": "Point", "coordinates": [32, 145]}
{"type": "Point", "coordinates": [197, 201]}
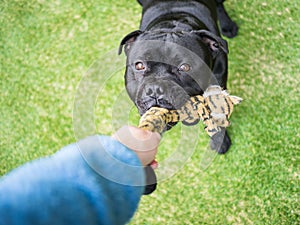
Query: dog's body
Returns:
{"type": "Point", "coordinates": [178, 53]}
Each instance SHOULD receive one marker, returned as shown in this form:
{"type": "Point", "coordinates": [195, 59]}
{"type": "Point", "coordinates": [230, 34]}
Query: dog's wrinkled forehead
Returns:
{"type": "Point", "coordinates": [165, 35]}
{"type": "Point", "coordinates": [163, 45]}
{"type": "Point", "coordinates": [169, 48]}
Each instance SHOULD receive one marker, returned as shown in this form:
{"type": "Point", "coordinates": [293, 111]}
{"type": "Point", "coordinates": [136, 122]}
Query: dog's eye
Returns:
{"type": "Point", "coordinates": [140, 66]}
{"type": "Point", "coordinates": [184, 67]}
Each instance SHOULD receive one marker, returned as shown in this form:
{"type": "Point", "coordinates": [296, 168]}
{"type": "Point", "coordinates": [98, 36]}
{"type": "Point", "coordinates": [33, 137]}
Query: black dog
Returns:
{"type": "Point", "coordinates": [178, 53]}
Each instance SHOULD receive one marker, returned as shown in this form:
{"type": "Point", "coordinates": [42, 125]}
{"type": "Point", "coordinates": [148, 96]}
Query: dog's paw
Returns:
{"type": "Point", "coordinates": [220, 142]}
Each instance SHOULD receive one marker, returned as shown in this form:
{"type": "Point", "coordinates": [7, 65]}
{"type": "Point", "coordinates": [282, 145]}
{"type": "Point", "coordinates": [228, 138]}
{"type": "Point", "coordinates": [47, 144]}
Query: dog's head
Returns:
{"type": "Point", "coordinates": [165, 68]}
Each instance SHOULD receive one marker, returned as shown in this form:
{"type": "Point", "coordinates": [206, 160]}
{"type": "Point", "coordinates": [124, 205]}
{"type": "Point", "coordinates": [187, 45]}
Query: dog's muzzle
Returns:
{"type": "Point", "coordinates": [162, 93]}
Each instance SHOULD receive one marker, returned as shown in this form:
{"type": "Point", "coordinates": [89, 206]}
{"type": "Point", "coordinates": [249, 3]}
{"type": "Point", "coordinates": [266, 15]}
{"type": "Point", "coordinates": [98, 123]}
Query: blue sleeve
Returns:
{"type": "Point", "coordinates": [94, 181]}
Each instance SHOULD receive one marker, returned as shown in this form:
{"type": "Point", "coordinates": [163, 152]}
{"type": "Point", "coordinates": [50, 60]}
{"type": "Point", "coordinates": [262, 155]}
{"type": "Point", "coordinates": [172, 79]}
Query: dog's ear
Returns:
{"type": "Point", "coordinates": [214, 42]}
{"type": "Point", "coordinates": [129, 38]}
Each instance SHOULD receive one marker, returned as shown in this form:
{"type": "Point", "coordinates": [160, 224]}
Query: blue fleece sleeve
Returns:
{"type": "Point", "coordinates": [94, 181]}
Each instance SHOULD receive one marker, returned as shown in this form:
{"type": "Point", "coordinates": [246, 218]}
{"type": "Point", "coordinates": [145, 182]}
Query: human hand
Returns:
{"type": "Point", "coordinates": [143, 143]}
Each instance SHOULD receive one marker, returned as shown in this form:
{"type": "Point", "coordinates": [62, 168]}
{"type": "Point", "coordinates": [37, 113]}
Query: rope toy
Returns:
{"type": "Point", "coordinates": [213, 108]}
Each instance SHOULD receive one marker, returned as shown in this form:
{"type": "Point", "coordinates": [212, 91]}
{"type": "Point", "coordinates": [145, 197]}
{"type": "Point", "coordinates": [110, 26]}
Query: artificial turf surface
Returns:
{"type": "Point", "coordinates": [48, 47]}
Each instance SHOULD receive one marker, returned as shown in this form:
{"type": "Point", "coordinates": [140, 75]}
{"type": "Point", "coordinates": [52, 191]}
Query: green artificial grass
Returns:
{"type": "Point", "coordinates": [49, 48]}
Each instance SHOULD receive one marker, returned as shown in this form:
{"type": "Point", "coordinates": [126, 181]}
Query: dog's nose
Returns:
{"type": "Point", "coordinates": [154, 91]}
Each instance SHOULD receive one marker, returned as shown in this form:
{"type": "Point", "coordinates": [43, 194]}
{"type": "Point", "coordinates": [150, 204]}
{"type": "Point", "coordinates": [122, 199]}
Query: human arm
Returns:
{"type": "Point", "coordinates": [97, 180]}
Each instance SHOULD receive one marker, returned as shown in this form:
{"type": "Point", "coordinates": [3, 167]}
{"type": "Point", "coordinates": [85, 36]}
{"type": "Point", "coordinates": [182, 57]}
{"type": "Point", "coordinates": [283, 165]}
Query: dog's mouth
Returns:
{"type": "Point", "coordinates": [168, 125]}
{"type": "Point", "coordinates": [144, 105]}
